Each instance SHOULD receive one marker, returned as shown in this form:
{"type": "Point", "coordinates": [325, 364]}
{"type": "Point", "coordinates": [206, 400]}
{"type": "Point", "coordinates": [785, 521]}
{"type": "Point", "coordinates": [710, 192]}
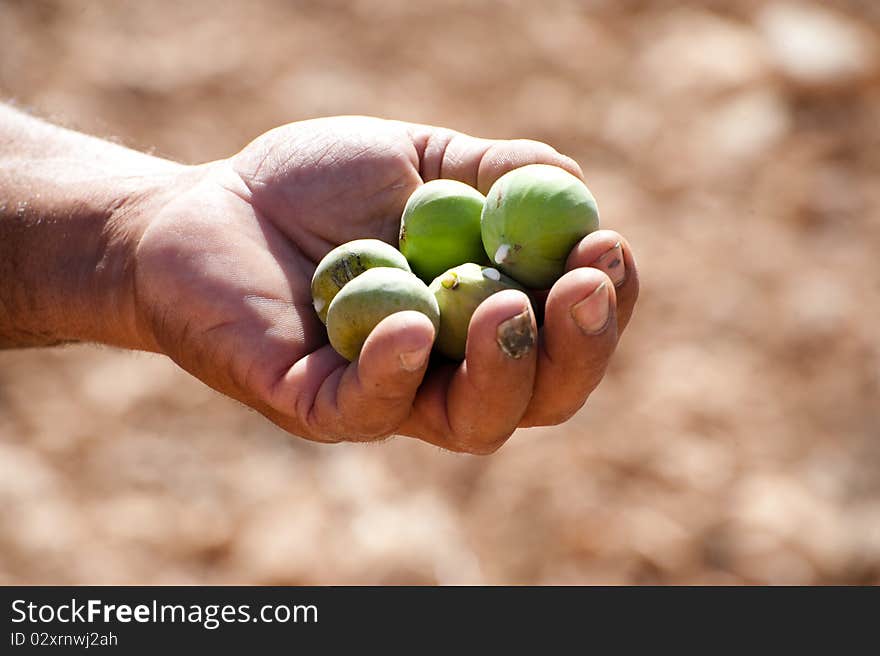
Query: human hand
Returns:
{"type": "Point", "coordinates": [222, 272]}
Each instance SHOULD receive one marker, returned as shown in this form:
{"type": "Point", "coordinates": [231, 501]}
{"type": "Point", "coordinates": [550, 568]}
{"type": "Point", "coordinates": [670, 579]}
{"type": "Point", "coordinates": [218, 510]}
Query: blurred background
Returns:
{"type": "Point", "coordinates": [736, 437]}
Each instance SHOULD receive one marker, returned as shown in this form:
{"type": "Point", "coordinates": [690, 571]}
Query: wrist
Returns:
{"type": "Point", "coordinates": [111, 296]}
{"type": "Point", "coordinates": [68, 235]}
{"type": "Point", "coordinates": [72, 209]}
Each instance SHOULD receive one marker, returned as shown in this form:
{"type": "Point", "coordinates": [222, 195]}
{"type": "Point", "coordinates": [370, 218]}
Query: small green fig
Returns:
{"type": "Point", "coordinates": [458, 292]}
{"type": "Point", "coordinates": [533, 217]}
{"type": "Point", "coordinates": [369, 298]}
{"type": "Point", "coordinates": [440, 227]}
{"type": "Point", "coordinates": [344, 263]}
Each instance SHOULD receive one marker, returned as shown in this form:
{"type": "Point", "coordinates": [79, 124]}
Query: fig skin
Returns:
{"type": "Point", "coordinates": [458, 292]}
{"type": "Point", "coordinates": [344, 263]}
{"type": "Point", "coordinates": [365, 301]}
{"type": "Point", "coordinates": [440, 227]}
{"type": "Point", "coordinates": [533, 217]}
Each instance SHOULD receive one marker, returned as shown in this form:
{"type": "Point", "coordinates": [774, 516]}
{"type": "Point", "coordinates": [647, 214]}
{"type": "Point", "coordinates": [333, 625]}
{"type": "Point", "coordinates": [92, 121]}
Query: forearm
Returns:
{"type": "Point", "coordinates": [71, 209]}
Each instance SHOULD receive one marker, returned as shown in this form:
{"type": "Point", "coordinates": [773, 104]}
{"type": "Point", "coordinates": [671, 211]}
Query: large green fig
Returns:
{"type": "Point", "coordinates": [533, 217]}
{"type": "Point", "coordinates": [440, 227]}
{"type": "Point", "coordinates": [369, 298]}
{"type": "Point", "coordinates": [458, 292]}
{"type": "Point", "coordinates": [344, 263]}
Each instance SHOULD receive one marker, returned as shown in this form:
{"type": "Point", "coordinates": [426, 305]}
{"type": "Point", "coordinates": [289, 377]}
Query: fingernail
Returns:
{"type": "Point", "coordinates": [611, 262]}
{"type": "Point", "coordinates": [414, 360]}
{"type": "Point", "coordinates": [516, 336]}
{"type": "Point", "coordinates": [591, 314]}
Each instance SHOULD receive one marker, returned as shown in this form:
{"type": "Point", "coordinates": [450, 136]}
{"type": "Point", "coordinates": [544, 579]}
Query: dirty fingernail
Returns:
{"type": "Point", "coordinates": [611, 262]}
{"type": "Point", "coordinates": [414, 360]}
{"type": "Point", "coordinates": [591, 314]}
{"type": "Point", "coordinates": [516, 335]}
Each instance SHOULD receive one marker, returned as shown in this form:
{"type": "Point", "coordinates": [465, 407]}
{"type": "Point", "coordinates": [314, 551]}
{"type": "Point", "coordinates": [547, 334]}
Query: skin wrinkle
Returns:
{"type": "Point", "coordinates": [7, 313]}
{"type": "Point", "coordinates": [237, 377]}
{"type": "Point", "coordinates": [324, 153]}
{"type": "Point", "coordinates": [297, 248]}
{"type": "Point", "coordinates": [331, 382]}
{"type": "Point", "coordinates": [304, 406]}
{"type": "Point", "coordinates": [293, 236]}
{"type": "Point", "coordinates": [256, 176]}
{"type": "Point", "coordinates": [390, 224]}
{"type": "Point", "coordinates": [545, 352]}
{"type": "Point", "coordinates": [432, 157]}
{"type": "Point", "coordinates": [419, 145]}
{"type": "Point", "coordinates": [18, 302]}
{"type": "Point", "coordinates": [113, 235]}
{"type": "Point", "coordinates": [276, 374]}
{"type": "Point", "coordinates": [442, 156]}
{"type": "Point", "coordinates": [446, 429]}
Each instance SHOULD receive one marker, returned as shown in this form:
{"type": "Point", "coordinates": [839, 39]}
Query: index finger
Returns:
{"type": "Point", "coordinates": [478, 162]}
{"type": "Point", "coordinates": [475, 406]}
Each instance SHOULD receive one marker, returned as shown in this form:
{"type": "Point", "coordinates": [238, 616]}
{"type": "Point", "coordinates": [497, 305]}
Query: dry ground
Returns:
{"type": "Point", "coordinates": [736, 438]}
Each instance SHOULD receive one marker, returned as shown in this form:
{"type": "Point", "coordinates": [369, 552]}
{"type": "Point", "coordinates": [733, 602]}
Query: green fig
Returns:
{"type": "Point", "coordinates": [458, 292]}
{"type": "Point", "coordinates": [440, 227]}
{"type": "Point", "coordinates": [369, 298]}
{"type": "Point", "coordinates": [533, 217]}
{"type": "Point", "coordinates": [344, 263]}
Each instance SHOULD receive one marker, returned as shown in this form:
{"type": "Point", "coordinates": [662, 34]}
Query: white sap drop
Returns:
{"type": "Point", "coordinates": [491, 274]}
{"type": "Point", "coordinates": [502, 253]}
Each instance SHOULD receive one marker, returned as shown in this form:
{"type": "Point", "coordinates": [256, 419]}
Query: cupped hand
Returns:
{"type": "Point", "coordinates": [222, 286]}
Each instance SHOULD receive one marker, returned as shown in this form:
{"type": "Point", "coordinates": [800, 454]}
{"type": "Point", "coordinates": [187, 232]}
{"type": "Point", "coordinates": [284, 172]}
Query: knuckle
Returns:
{"type": "Point", "coordinates": [357, 428]}
{"type": "Point", "coordinates": [370, 418]}
{"type": "Point", "coordinates": [530, 145]}
{"type": "Point", "coordinates": [321, 438]}
{"type": "Point", "coordinates": [484, 449]}
{"type": "Point", "coordinates": [545, 410]}
{"type": "Point", "coordinates": [480, 444]}
{"type": "Point", "coordinates": [335, 435]}
{"type": "Point", "coordinates": [554, 417]}
{"type": "Point", "coordinates": [369, 429]}
{"type": "Point", "coordinates": [296, 428]}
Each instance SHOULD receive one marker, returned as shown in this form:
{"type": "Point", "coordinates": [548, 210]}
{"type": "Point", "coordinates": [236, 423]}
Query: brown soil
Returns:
{"type": "Point", "coordinates": [736, 438]}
